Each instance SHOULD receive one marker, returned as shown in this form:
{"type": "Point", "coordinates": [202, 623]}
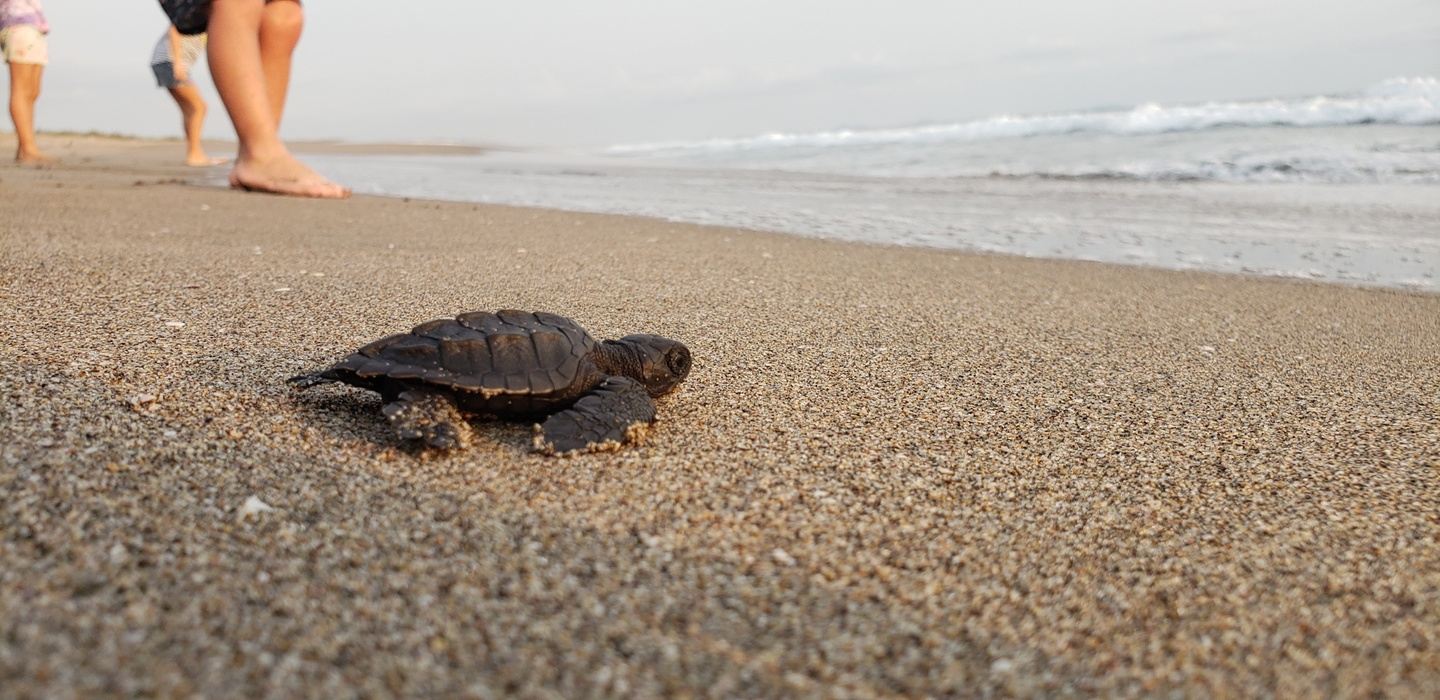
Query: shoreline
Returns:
{"type": "Point", "coordinates": [1173, 200]}
{"type": "Point", "coordinates": [893, 471]}
{"type": "Point", "coordinates": [326, 146]}
{"type": "Point", "coordinates": [1366, 235]}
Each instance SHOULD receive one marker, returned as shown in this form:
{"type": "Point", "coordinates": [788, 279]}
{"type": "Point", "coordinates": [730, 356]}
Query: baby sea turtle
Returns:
{"type": "Point", "coordinates": [516, 365]}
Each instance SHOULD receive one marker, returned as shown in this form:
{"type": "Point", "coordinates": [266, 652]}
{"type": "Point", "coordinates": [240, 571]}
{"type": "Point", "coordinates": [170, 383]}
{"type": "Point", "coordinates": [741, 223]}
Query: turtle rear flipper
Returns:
{"type": "Point", "coordinates": [431, 418]}
{"type": "Point", "coordinates": [613, 413]}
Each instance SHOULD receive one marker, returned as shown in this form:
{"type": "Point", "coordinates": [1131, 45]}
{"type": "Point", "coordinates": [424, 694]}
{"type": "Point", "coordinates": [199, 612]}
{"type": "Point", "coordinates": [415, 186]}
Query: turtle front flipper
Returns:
{"type": "Point", "coordinates": [429, 417]}
{"type": "Point", "coordinates": [615, 412]}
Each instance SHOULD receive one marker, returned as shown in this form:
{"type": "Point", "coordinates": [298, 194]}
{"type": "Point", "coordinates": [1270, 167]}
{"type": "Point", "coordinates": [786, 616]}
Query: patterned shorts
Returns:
{"type": "Point", "coordinates": [188, 16]}
{"type": "Point", "coordinates": [23, 43]}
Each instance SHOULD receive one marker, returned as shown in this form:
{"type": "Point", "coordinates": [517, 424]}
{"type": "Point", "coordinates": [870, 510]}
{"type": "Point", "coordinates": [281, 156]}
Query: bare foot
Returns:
{"type": "Point", "coordinates": [284, 175]}
{"type": "Point", "coordinates": [34, 159]}
{"type": "Point", "coordinates": [204, 161]}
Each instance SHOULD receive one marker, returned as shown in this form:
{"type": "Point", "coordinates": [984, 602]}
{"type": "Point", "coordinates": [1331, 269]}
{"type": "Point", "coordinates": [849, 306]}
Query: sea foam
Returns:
{"type": "Point", "coordinates": [1399, 101]}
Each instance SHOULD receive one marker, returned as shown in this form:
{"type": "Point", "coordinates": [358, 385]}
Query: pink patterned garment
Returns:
{"type": "Point", "coordinates": [13, 12]}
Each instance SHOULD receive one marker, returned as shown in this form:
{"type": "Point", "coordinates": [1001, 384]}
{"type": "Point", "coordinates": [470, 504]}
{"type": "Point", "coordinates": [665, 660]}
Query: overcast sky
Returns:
{"type": "Point", "coordinates": [572, 72]}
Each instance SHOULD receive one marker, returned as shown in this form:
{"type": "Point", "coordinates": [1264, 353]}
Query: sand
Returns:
{"type": "Point", "coordinates": [893, 472]}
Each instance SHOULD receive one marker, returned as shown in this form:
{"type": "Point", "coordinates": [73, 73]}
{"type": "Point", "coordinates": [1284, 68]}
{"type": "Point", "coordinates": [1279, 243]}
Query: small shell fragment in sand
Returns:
{"type": "Point", "coordinates": [175, 324]}
{"type": "Point", "coordinates": [254, 506]}
{"type": "Point", "coordinates": [139, 401]}
{"type": "Point", "coordinates": [782, 557]}
{"type": "Point", "coordinates": [282, 289]}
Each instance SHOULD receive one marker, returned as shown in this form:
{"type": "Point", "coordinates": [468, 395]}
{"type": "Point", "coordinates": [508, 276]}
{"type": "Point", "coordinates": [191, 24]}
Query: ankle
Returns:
{"type": "Point", "coordinates": [262, 153]}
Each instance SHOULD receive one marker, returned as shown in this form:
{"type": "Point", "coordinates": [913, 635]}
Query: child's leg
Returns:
{"type": "Point", "coordinates": [192, 108]}
{"type": "Point", "coordinates": [236, 65]}
{"type": "Point", "coordinates": [24, 90]}
{"type": "Point", "coordinates": [25, 49]}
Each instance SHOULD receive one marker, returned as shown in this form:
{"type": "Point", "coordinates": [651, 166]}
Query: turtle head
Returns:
{"type": "Point", "coordinates": [658, 363]}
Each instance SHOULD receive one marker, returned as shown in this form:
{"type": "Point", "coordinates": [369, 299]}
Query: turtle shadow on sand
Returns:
{"type": "Point", "coordinates": [514, 365]}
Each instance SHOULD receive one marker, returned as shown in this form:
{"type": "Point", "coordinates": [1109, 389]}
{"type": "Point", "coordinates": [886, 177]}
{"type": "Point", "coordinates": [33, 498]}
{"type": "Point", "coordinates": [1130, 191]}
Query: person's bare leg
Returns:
{"type": "Point", "coordinates": [192, 108]}
{"type": "Point", "coordinates": [24, 91]}
{"type": "Point", "coordinates": [280, 29]}
{"type": "Point", "coordinates": [263, 162]}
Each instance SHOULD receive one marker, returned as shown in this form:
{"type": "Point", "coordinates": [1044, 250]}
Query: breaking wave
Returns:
{"type": "Point", "coordinates": [1398, 101]}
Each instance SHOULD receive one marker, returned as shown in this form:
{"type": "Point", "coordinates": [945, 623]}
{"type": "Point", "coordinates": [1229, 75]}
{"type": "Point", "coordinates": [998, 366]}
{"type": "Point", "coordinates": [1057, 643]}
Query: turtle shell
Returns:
{"type": "Point", "coordinates": [516, 353]}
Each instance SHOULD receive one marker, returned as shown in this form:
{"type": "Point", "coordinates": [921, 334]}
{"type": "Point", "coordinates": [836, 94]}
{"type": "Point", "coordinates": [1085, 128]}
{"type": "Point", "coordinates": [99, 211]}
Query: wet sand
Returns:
{"type": "Point", "coordinates": [151, 156]}
{"type": "Point", "coordinates": [893, 472]}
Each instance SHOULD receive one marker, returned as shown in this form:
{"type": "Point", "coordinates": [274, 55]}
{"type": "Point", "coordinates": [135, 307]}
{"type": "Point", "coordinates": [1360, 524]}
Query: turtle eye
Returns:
{"type": "Point", "coordinates": [678, 360]}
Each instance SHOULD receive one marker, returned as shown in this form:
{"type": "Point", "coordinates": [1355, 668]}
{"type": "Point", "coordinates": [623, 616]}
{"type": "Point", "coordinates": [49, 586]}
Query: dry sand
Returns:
{"type": "Point", "coordinates": [894, 472]}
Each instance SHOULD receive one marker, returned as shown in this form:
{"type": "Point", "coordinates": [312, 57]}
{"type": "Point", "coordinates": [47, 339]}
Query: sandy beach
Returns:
{"type": "Point", "coordinates": [894, 471]}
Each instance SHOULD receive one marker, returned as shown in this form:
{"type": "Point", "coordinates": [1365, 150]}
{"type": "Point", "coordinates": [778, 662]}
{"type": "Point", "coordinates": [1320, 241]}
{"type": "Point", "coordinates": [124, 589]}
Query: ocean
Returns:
{"type": "Point", "coordinates": [1339, 188]}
